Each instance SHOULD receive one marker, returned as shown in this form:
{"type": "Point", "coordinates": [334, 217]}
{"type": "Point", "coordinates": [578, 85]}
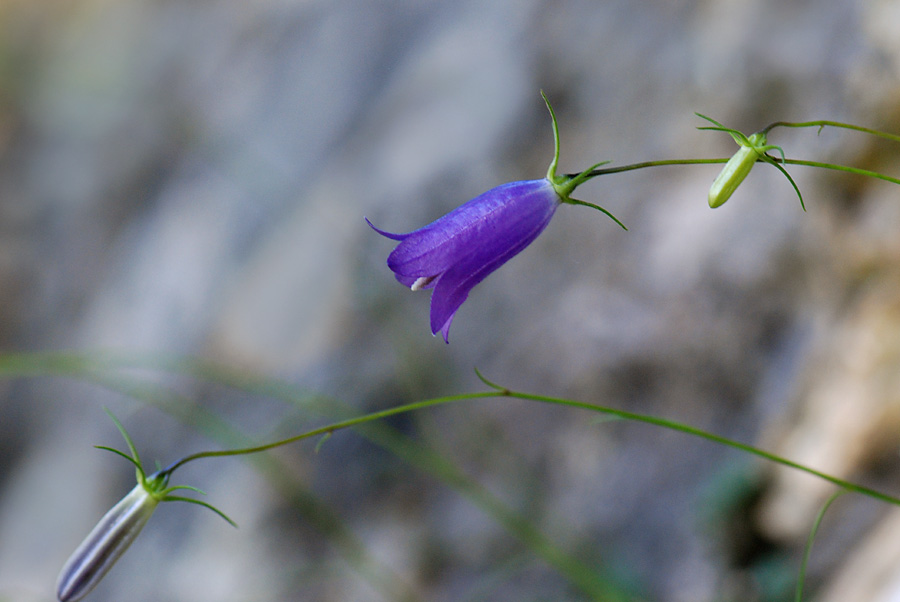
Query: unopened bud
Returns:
{"type": "Point", "coordinates": [737, 168]}
{"type": "Point", "coordinates": [107, 542]}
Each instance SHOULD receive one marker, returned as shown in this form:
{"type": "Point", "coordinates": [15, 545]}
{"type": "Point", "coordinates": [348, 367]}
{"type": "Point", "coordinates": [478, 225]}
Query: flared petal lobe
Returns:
{"type": "Point", "coordinates": [460, 249]}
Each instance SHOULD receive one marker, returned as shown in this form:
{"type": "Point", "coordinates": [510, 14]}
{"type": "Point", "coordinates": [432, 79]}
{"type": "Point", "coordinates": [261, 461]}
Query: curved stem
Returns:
{"type": "Point", "coordinates": [633, 166]}
{"type": "Point", "coordinates": [835, 124]}
{"type": "Point", "coordinates": [696, 432]}
{"type": "Point", "coordinates": [502, 392]}
{"type": "Point", "coordinates": [801, 580]}
{"type": "Point", "coordinates": [832, 166]}
{"type": "Point", "coordinates": [585, 576]}
{"type": "Point", "coordinates": [328, 429]}
{"type": "Point", "coordinates": [74, 364]}
{"type": "Point", "coordinates": [551, 171]}
{"type": "Point", "coordinates": [664, 162]}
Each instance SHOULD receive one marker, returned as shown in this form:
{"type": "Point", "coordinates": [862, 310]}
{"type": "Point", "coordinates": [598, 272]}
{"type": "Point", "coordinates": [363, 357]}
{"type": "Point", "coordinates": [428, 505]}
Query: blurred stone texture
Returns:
{"type": "Point", "coordinates": [190, 178]}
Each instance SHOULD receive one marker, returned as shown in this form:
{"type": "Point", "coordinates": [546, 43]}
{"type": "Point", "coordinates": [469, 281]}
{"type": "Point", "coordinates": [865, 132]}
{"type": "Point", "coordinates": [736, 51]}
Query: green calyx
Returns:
{"type": "Point", "coordinates": [156, 483]}
{"type": "Point", "coordinates": [565, 185]}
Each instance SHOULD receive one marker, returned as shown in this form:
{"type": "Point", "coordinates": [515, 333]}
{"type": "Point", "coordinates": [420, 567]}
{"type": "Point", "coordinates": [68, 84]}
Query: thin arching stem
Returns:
{"type": "Point", "coordinates": [326, 430]}
{"type": "Point", "coordinates": [508, 393]}
{"type": "Point", "coordinates": [854, 170]}
{"type": "Point", "coordinates": [644, 164]}
{"type": "Point", "coordinates": [835, 124]}
{"type": "Point", "coordinates": [801, 580]}
{"type": "Point", "coordinates": [664, 162]}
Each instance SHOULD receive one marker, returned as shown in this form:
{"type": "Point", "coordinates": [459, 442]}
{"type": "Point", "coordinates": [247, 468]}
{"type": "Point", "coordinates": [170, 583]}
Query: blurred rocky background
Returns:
{"type": "Point", "coordinates": [188, 178]}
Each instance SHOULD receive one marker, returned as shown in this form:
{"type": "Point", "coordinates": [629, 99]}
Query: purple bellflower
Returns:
{"type": "Point", "coordinates": [457, 251]}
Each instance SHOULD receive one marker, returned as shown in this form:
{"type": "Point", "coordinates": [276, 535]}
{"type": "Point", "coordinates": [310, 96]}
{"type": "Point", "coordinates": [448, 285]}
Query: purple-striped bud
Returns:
{"type": "Point", "coordinates": [107, 542]}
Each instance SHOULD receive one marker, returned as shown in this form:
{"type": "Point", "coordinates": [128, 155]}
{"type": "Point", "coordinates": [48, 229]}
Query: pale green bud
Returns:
{"type": "Point", "coordinates": [737, 168]}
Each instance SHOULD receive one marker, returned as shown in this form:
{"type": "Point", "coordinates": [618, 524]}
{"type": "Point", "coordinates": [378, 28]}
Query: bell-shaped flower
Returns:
{"type": "Point", "coordinates": [457, 251]}
{"type": "Point", "coordinates": [460, 249]}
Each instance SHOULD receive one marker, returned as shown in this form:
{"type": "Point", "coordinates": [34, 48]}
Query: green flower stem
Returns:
{"type": "Point", "coordinates": [588, 578]}
{"type": "Point", "coordinates": [844, 168]}
{"type": "Point", "coordinates": [65, 364]}
{"type": "Point", "coordinates": [82, 365]}
{"type": "Point", "coordinates": [690, 430]}
{"type": "Point", "coordinates": [835, 124]}
{"type": "Point", "coordinates": [90, 368]}
{"type": "Point", "coordinates": [335, 426]}
{"type": "Point", "coordinates": [582, 575]}
{"type": "Point", "coordinates": [318, 513]}
{"type": "Point", "coordinates": [95, 368]}
{"type": "Point", "coordinates": [503, 392]}
{"type": "Point", "coordinates": [662, 163]}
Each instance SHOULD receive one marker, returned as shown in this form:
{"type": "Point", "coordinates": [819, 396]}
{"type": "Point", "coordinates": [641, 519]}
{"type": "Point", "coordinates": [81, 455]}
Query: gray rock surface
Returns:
{"type": "Point", "coordinates": [190, 179]}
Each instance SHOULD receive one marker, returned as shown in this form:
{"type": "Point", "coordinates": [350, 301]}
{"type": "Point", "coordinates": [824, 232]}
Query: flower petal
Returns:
{"type": "Point", "coordinates": [385, 233]}
{"type": "Point", "coordinates": [454, 285]}
{"type": "Point", "coordinates": [460, 249]}
{"type": "Point", "coordinates": [407, 281]}
{"type": "Point", "coordinates": [433, 249]}
{"type": "Point", "coordinates": [506, 241]}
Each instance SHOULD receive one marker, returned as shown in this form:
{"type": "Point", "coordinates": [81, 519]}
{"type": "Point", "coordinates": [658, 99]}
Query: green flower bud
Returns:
{"type": "Point", "coordinates": [753, 148]}
{"type": "Point", "coordinates": [737, 168]}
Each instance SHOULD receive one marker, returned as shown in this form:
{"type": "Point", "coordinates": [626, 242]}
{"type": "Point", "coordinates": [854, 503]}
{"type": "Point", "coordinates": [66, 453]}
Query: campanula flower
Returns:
{"type": "Point", "coordinates": [460, 249]}
{"type": "Point", "coordinates": [457, 251]}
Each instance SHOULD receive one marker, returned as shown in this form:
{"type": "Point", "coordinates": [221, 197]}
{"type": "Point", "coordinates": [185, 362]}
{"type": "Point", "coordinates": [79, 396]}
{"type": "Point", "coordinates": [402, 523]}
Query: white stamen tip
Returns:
{"type": "Point", "coordinates": [421, 283]}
